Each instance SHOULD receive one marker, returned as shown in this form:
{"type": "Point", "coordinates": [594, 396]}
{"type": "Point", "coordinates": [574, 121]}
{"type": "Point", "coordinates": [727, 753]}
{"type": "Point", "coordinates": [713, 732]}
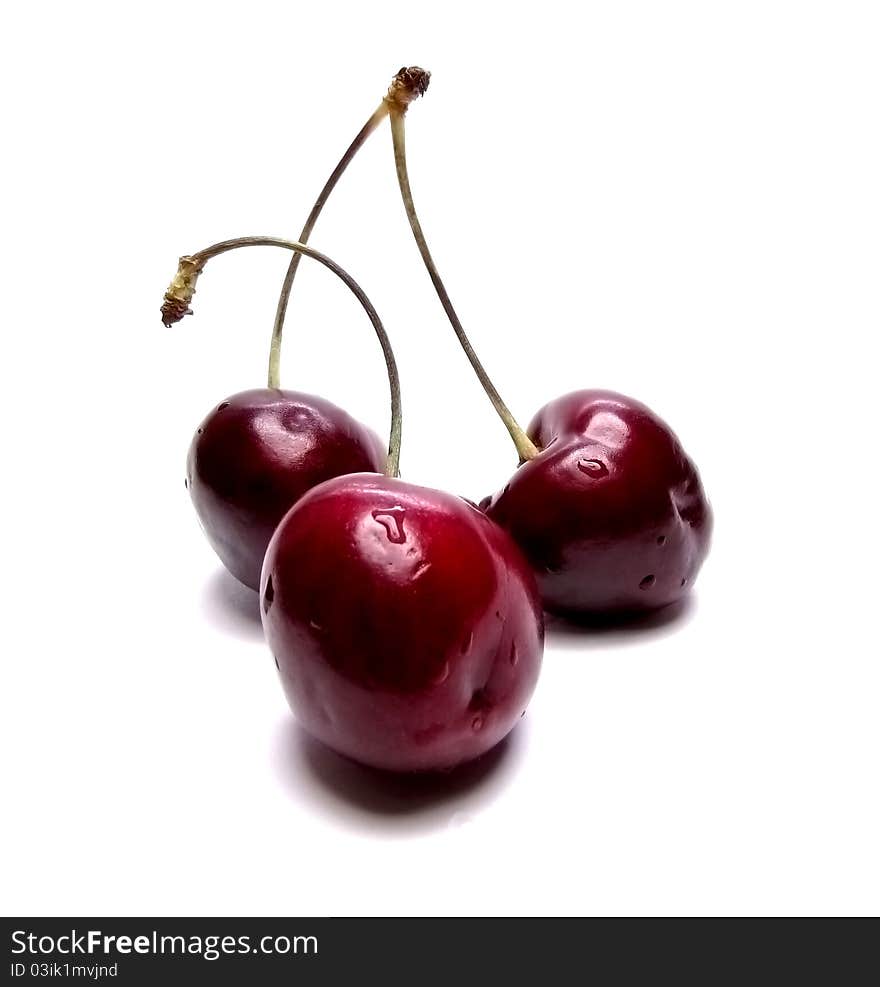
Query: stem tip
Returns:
{"type": "Point", "coordinates": [179, 295]}
{"type": "Point", "coordinates": [409, 83]}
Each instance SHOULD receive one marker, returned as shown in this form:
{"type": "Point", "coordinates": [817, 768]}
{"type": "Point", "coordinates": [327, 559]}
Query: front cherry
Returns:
{"type": "Point", "coordinates": [611, 513]}
{"type": "Point", "coordinates": [405, 624]}
{"type": "Point", "coordinates": [256, 454]}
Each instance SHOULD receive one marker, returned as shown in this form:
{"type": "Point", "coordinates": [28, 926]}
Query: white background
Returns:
{"type": "Point", "coordinates": [680, 201]}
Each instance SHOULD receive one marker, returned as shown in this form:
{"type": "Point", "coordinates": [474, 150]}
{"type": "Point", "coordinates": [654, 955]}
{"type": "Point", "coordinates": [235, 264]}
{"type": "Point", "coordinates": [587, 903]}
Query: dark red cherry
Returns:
{"type": "Point", "coordinates": [611, 513]}
{"type": "Point", "coordinates": [256, 454]}
{"type": "Point", "coordinates": [406, 626]}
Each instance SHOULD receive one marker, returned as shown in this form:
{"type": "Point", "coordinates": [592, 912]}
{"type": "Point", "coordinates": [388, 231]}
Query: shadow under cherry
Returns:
{"type": "Point", "coordinates": [232, 606]}
{"type": "Point", "coordinates": [623, 629]}
{"type": "Point", "coordinates": [391, 804]}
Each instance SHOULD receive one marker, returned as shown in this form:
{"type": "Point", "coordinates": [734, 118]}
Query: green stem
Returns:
{"type": "Point", "coordinates": [524, 445]}
{"type": "Point", "coordinates": [408, 84]}
{"type": "Point", "coordinates": [182, 289]}
{"type": "Point", "coordinates": [378, 116]}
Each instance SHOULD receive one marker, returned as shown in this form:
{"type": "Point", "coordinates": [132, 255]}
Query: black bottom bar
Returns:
{"type": "Point", "coordinates": [419, 952]}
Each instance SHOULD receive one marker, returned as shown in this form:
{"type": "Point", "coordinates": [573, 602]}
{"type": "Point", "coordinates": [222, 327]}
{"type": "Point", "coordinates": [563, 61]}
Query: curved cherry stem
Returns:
{"type": "Point", "coordinates": [281, 312]}
{"type": "Point", "coordinates": [524, 445]}
{"type": "Point", "coordinates": [408, 84]}
{"type": "Point", "coordinates": [182, 288]}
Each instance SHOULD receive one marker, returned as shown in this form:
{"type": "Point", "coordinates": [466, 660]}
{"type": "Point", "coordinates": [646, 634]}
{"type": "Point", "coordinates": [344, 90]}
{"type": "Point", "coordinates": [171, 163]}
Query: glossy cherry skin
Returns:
{"type": "Point", "coordinates": [611, 513]}
{"type": "Point", "coordinates": [256, 454]}
{"type": "Point", "coordinates": [406, 626]}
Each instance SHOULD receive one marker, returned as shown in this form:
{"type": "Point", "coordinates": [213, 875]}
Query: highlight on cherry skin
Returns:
{"type": "Point", "coordinates": [406, 626]}
{"type": "Point", "coordinates": [256, 454]}
{"type": "Point", "coordinates": [610, 512]}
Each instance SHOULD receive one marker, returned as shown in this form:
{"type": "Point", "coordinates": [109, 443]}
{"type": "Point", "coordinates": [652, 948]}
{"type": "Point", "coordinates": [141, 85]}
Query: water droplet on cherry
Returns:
{"type": "Point", "coordinates": [647, 582]}
{"type": "Point", "coordinates": [593, 468]}
{"type": "Point", "coordinates": [391, 519]}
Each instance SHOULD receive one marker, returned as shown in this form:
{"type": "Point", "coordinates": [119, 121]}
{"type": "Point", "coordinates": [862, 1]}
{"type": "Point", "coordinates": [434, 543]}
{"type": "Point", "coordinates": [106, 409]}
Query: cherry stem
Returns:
{"type": "Point", "coordinates": [524, 445]}
{"type": "Point", "coordinates": [182, 288]}
{"type": "Point", "coordinates": [408, 84]}
{"type": "Point", "coordinates": [281, 312]}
